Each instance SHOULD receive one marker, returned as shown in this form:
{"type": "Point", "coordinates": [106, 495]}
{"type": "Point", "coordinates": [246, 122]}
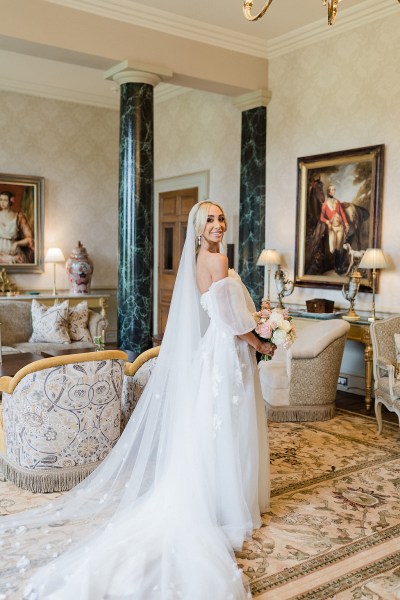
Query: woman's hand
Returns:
{"type": "Point", "coordinates": [258, 344]}
{"type": "Point", "coordinates": [266, 348]}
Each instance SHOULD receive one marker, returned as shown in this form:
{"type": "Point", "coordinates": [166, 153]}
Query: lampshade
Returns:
{"type": "Point", "coordinates": [268, 257]}
{"type": "Point", "coordinates": [373, 258]}
{"type": "Point", "coordinates": [54, 255]}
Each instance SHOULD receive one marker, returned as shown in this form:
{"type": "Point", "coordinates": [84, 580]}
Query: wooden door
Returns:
{"type": "Point", "coordinates": [174, 210]}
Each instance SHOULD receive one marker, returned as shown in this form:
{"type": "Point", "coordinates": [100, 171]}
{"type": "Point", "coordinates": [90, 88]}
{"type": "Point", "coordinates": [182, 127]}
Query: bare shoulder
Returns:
{"type": "Point", "coordinates": [218, 265]}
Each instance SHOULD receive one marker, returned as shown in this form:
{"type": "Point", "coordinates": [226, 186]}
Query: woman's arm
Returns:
{"type": "Point", "coordinates": [218, 265]}
{"type": "Point", "coordinates": [257, 344]}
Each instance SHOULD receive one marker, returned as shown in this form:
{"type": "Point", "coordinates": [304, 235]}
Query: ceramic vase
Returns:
{"type": "Point", "coordinates": [79, 270]}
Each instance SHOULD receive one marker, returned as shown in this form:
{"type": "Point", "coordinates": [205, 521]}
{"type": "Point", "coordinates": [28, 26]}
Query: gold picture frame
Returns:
{"type": "Point", "coordinates": [330, 243]}
{"type": "Point", "coordinates": [21, 225]}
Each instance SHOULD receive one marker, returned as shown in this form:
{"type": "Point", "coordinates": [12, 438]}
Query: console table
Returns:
{"type": "Point", "coordinates": [359, 332]}
{"type": "Point", "coordinates": [12, 363]}
{"type": "Point", "coordinates": [94, 301]}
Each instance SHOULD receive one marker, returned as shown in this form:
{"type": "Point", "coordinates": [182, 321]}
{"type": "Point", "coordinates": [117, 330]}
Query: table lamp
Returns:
{"type": "Point", "coordinates": [374, 259]}
{"type": "Point", "coordinates": [267, 258]}
{"type": "Point", "coordinates": [54, 255]}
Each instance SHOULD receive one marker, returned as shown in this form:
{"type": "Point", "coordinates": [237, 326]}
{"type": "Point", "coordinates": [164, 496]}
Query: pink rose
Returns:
{"type": "Point", "coordinates": [264, 330]}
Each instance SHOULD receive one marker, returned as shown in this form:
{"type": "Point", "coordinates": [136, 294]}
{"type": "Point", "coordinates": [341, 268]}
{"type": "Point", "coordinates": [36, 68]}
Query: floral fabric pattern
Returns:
{"type": "Point", "coordinates": [65, 416]}
{"type": "Point", "coordinates": [50, 324]}
{"type": "Point", "coordinates": [335, 497]}
{"type": "Point", "coordinates": [78, 317]}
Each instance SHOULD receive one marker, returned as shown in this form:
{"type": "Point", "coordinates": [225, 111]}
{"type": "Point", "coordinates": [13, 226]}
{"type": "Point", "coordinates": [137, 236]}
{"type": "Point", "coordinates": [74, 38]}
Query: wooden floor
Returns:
{"type": "Point", "coordinates": [355, 403]}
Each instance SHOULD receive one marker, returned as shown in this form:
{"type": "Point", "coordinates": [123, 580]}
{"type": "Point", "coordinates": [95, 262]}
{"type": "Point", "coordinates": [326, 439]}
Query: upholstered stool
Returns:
{"type": "Point", "coordinates": [300, 384]}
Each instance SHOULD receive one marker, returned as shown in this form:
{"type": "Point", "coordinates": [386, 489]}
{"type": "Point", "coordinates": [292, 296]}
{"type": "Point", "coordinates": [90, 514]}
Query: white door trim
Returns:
{"type": "Point", "coordinates": [201, 180]}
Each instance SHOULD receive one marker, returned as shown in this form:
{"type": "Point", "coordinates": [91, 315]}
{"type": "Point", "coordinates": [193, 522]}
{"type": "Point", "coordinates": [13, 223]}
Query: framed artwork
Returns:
{"type": "Point", "coordinates": [339, 198]}
{"type": "Point", "coordinates": [21, 223]}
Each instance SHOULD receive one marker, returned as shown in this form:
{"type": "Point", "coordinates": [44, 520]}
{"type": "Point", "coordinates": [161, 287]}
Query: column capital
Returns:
{"type": "Point", "coordinates": [129, 71]}
{"type": "Point", "coordinates": [252, 100]}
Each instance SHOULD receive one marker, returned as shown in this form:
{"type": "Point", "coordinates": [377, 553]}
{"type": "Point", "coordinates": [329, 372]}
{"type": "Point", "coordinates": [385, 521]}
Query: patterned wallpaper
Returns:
{"type": "Point", "coordinates": [199, 131]}
{"type": "Point", "coordinates": [339, 94]}
{"type": "Point", "coordinates": [75, 148]}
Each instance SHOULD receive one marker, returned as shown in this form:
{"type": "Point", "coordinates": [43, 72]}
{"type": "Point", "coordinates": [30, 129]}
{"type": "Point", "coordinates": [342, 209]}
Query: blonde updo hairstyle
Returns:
{"type": "Point", "coordinates": [200, 219]}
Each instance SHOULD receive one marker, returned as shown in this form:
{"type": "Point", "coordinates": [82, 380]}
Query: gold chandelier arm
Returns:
{"type": "Point", "coordinates": [248, 5]}
{"type": "Point", "coordinates": [332, 10]}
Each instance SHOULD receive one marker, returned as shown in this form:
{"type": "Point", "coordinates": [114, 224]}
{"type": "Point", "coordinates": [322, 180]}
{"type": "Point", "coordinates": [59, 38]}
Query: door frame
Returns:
{"type": "Point", "coordinates": [201, 181]}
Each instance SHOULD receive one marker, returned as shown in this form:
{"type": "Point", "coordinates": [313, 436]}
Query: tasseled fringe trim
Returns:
{"type": "Point", "coordinates": [299, 413]}
{"type": "Point", "coordinates": [43, 481]}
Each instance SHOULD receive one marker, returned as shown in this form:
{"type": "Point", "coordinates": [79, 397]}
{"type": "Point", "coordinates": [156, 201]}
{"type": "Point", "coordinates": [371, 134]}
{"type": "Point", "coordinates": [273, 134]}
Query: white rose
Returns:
{"type": "Point", "coordinates": [285, 325]}
{"type": "Point", "coordinates": [278, 337]}
{"type": "Point", "coordinates": [276, 318]}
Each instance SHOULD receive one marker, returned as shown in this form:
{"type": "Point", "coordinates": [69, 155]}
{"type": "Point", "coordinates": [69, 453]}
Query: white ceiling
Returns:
{"type": "Point", "coordinates": [283, 16]}
{"type": "Point", "coordinates": [225, 17]}
{"type": "Point", "coordinates": [287, 25]}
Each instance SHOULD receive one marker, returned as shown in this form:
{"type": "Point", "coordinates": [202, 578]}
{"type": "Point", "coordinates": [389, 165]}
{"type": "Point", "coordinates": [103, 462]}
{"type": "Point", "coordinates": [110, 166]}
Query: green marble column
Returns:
{"type": "Point", "coordinates": [135, 268]}
{"type": "Point", "coordinates": [136, 180]}
{"type": "Point", "coordinates": [252, 199]}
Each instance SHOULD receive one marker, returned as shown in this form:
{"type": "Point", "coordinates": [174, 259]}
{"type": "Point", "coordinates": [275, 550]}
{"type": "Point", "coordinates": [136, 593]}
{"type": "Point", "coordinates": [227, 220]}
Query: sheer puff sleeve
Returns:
{"type": "Point", "coordinates": [229, 306]}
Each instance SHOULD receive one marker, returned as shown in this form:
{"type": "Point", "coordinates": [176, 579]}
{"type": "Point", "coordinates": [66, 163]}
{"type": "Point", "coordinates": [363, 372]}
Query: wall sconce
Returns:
{"type": "Point", "coordinates": [54, 255]}
{"type": "Point", "coordinates": [267, 258]}
{"type": "Point", "coordinates": [374, 259]}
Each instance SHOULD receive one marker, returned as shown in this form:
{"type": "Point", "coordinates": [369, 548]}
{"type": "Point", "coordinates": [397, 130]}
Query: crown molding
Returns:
{"type": "Point", "coordinates": [138, 70]}
{"type": "Point", "coordinates": [162, 93]}
{"type": "Point", "coordinates": [166, 22]}
{"type": "Point", "coordinates": [346, 20]}
{"type": "Point", "coordinates": [167, 91]}
{"type": "Point", "coordinates": [252, 100]}
{"type": "Point", "coordinates": [43, 90]}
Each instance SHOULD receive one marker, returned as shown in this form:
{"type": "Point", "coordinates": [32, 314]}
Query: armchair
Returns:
{"type": "Point", "coordinates": [61, 418]}
{"type": "Point", "coordinates": [300, 384]}
{"type": "Point", "coordinates": [387, 387]}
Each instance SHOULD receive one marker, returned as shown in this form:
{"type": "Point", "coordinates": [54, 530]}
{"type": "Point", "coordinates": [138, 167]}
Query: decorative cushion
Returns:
{"type": "Point", "coordinates": [50, 324]}
{"type": "Point", "coordinates": [78, 317]}
{"type": "Point", "coordinates": [397, 344]}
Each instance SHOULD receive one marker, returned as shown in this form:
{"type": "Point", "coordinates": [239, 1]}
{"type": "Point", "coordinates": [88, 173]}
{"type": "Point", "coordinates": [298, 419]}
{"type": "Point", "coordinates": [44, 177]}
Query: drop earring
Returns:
{"type": "Point", "coordinates": [199, 240]}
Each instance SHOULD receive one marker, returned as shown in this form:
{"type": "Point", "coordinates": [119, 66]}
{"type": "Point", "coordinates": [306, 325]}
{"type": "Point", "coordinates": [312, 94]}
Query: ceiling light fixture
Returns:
{"type": "Point", "coordinates": [248, 5]}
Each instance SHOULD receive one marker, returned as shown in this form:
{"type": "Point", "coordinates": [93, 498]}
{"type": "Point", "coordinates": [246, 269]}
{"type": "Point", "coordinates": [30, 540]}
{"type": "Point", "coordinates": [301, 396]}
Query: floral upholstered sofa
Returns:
{"type": "Point", "coordinates": [34, 327]}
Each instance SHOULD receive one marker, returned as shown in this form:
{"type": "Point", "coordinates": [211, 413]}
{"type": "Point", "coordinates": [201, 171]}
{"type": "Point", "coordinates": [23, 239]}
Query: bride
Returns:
{"type": "Point", "coordinates": [185, 484]}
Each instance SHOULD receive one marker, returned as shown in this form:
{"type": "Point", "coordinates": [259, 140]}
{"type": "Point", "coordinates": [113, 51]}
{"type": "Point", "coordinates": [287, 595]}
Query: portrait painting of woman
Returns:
{"type": "Point", "coordinates": [16, 235]}
{"type": "Point", "coordinates": [20, 223]}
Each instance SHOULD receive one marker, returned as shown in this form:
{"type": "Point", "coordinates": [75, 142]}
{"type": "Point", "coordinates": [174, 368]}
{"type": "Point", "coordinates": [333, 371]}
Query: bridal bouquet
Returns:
{"type": "Point", "coordinates": [275, 326]}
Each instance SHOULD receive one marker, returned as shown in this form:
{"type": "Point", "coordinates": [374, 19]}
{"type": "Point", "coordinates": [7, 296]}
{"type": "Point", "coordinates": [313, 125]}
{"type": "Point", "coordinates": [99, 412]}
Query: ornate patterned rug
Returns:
{"type": "Point", "coordinates": [333, 530]}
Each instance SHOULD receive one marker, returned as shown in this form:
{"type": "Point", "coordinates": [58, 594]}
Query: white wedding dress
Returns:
{"type": "Point", "coordinates": [184, 486]}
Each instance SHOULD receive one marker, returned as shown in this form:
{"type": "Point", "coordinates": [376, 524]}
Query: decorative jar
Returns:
{"type": "Point", "coordinates": [79, 270]}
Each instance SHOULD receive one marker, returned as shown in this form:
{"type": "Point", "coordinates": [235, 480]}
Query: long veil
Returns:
{"type": "Point", "coordinates": [143, 524]}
